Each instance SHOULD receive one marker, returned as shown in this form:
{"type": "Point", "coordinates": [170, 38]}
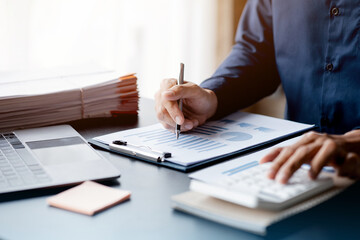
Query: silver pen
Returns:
{"type": "Point", "coordinates": [179, 82]}
{"type": "Point", "coordinates": [143, 152]}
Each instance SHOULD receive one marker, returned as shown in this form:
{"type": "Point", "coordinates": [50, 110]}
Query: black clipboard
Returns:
{"type": "Point", "coordinates": [210, 161]}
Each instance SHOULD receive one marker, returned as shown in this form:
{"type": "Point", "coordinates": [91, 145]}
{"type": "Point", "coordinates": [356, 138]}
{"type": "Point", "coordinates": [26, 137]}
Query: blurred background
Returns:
{"type": "Point", "coordinates": [149, 38]}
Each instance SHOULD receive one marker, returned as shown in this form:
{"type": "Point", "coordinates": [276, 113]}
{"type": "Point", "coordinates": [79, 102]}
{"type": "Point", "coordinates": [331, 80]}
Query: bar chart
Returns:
{"type": "Point", "coordinates": [187, 141]}
{"type": "Point", "coordinates": [209, 129]}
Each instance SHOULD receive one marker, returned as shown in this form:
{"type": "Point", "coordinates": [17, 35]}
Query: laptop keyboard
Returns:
{"type": "Point", "coordinates": [17, 166]}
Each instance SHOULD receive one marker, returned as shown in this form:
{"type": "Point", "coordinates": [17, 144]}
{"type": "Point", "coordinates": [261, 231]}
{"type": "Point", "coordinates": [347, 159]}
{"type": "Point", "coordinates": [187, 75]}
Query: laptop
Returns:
{"type": "Point", "coordinates": [49, 157]}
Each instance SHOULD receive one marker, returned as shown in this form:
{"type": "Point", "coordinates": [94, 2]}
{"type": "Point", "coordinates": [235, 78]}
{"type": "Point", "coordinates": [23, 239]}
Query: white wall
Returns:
{"type": "Point", "coordinates": [148, 37]}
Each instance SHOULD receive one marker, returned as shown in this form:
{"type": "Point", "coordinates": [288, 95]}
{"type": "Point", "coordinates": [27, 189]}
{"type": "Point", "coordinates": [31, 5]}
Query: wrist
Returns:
{"type": "Point", "coordinates": [353, 133]}
{"type": "Point", "coordinates": [213, 103]}
{"type": "Point", "coordinates": [352, 140]}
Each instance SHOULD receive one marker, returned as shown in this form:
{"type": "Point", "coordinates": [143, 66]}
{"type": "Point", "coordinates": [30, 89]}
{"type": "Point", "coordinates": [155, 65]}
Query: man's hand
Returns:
{"type": "Point", "coordinates": [340, 151]}
{"type": "Point", "coordinates": [198, 104]}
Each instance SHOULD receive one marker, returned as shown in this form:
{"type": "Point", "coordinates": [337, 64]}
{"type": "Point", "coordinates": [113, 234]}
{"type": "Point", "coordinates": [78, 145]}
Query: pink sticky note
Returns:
{"type": "Point", "coordinates": [88, 198]}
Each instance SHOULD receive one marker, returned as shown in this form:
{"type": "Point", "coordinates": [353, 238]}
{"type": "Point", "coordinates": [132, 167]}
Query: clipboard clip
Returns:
{"type": "Point", "coordinates": [143, 152]}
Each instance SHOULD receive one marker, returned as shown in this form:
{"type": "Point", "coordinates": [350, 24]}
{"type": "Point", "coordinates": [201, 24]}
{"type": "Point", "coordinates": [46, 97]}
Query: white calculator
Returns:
{"type": "Point", "coordinates": [252, 188]}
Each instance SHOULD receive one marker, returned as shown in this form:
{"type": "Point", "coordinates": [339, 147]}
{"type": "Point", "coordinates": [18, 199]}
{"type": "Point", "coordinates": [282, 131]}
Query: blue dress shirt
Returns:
{"type": "Point", "coordinates": [311, 46]}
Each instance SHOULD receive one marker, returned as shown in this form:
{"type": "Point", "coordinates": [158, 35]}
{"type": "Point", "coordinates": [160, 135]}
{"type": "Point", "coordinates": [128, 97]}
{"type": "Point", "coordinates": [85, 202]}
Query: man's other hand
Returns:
{"type": "Point", "coordinates": [340, 151]}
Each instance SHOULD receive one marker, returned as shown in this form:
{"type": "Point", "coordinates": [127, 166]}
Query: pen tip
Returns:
{"type": "Point", "coordinates": [177, 135]}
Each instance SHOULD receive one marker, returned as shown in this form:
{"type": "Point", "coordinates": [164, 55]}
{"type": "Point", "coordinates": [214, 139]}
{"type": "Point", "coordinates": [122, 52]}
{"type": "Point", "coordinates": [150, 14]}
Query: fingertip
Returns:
{"type": "Point", "coordinates": [270, 156]}
{"type": "Point", "coordinates": [312, 174]}
{"type": "Point", "coordinates": [188, 125]}
{"type": "Point", "coordinates": [314, 170]}
{"type": "Point", "coordinates": [282, 178]}
{"type": "Point", "coordinates": [195, 123]}
{"type": "Point", "coordinates": [179, 120]}
{"type": "Point", "coordinates": [271, 174]}
{"type": "Point", "coordinates": [273, 171]}
{"type": "Point", "coordinates": [265, 159]}
{"type": "Point", "coordinates": [277, 176]}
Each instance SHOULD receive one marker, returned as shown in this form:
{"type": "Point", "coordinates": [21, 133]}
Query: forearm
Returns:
{"type": "Point", "coordinates": [249, 73]}
{"type": "Point", "coordinates": [238, 84]}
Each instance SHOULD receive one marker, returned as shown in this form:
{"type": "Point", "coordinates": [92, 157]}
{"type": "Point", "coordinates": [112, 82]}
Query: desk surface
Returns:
{"type": "Point", "coordinates": [148, 214]}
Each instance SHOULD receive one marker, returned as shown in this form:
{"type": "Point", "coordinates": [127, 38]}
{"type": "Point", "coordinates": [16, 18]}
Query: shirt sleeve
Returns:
{"type": "Point", "coordinates": [249, 73]}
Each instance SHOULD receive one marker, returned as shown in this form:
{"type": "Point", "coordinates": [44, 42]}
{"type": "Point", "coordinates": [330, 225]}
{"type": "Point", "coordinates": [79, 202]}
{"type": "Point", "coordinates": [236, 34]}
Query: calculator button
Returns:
{"type": "Point", "coordinates": [255, 180]}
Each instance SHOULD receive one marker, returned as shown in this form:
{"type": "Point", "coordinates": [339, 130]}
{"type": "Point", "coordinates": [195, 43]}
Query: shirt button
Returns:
{"type": "Point", "coordinates": [335, 11]}
{"type": "Point", "coordinates": [329, 67]}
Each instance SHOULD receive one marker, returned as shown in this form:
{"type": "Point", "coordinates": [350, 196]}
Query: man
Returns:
{"type": "Point", "coordinates": [313, 49]}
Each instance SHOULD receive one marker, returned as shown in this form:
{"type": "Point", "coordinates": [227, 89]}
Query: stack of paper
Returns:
{"type": "Point", "coordinates": [45, 101]}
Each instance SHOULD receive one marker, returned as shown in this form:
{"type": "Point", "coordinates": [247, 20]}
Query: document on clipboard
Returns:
{"type": "Point", "coordinates": [237, 133]}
